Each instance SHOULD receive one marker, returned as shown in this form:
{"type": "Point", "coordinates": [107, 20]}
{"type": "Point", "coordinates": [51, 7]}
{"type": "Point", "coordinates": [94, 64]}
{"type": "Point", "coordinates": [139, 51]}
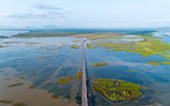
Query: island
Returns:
{"type": "Point", "coordinates": [117, 90]}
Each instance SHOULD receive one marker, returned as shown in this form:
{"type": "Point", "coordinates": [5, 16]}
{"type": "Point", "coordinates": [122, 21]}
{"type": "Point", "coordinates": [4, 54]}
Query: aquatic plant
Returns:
{"type": "Point", "coordinates": [149, 46]}
{"type": "Point", "coordinates": [70, 77]}
{"type": "Point", "coordinates": [54, 96]}
{"type": "Point", "coordinates": [151, 88]}
{"type": "Point", "coordinates": [33, 74]}
{"type": "Point", "coordinates": [164, 62]}
{"type": "Point", "coordinates": [21, 77]}
{"type": "Point", "coordinates": [154, 63]}
{"type": "Point", "coordinates": [64, 80]}
{"type": "Point", "coordinates": [137, 101]}
{"type": "Point", "coordinates": [31, 87]}
{"type": "Point", "coordinates": [17, 84]}
{"type": "Point", "coordinates": [117, 90]}
{"type": "Point", "coordinates": [5, 101]}
{"type": "Point", "coordinates": [79, 75]}
{"type": "Point", "coordinates": [75, 47]}
{"type": "Point", "coordinates": [144, 87]}
{"type": "Point", "coordinates": [19, 104]}
{"type": "Point", "coordinates": [130, 71]}
{"type": "Point", "coordinates": [97, 68]}
{"type": "Point", "coordinates": [100, 64]}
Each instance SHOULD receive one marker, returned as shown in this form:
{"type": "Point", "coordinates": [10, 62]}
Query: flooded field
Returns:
{"type": "Point", "coordinates": [47, 71]}
{"type": "Point", "coordinates": [32, 69]}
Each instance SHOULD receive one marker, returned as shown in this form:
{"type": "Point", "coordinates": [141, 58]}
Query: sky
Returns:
{"type": "Point", "coordinates": [84, 13]}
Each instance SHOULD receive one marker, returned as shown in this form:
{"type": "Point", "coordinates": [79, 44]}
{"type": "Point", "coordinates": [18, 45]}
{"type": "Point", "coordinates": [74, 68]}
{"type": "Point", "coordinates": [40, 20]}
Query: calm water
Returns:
{"type": "Point", "coordinates": [10, 32]}
{"type": "Point", "coordinates": [53, 58]}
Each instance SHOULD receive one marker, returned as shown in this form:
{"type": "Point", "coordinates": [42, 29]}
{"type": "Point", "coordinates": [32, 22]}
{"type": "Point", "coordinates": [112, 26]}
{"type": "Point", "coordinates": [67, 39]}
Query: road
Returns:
{"type": "Point", "coordinates": [84, 78]}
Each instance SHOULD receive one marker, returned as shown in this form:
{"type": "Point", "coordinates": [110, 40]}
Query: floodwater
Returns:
{"type": "Point", "coordinates": [11, 32]}
{"type": "Point", "coordinates": [120, 62]}
{"type": "Point", "coordinates": [51, 59]}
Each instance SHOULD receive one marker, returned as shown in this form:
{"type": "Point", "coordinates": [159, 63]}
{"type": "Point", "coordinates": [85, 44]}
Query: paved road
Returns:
{"type": "Point", "coordinates": [84, 84]}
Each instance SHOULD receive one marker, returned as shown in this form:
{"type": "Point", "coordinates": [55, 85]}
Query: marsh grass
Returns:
{"type": "Point", "coordinates": [19, 104]}
{"type": "Point", "coordinates": [100, 64]}
{"type": "Point", "coordinates": [17, 84]}
{"type": "Point", "coordinates": [117, 90]}
{"type": "Point", "coordinates": [5, 101]}
{"type": "Point", "coordinates": [75, 47]}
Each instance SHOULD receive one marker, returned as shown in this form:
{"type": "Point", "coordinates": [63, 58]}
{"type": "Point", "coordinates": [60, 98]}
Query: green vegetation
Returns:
{"type": "Point", "coordinates": [46, 34]}
{"type": "Point", "coordinates": [144, 87]}
{"type": "Point", "coordinates": [130, 71]}
{"type": "Point", "coordinates": [100, 64]}
{"type": "Point", "coordinates": [19, 104]}
{"type": "Point", "coordinates": [12, 42]}
{"type": "Point", "coordinates": [33, 74]}
{"type": "Point", "coordinates": [54, 96]}
{"type": "Point", "coordinates": [70, 78]}
{"type": "Point", "coordinates": [17, 84]}
{"type": "Point", "coordinates": [75, 47]}
{"type": "Point", "coordinates": [154, 63]}
{"type": "Point", "coordinates": [64, 80]}
{"type": "Point", "coordinates": [31, 87]}
{"type": "Point", "coordinates": [164, 62]}
{"type": "Point", "coordinates": [137, 101]}
{"type": "Point", "coordinates": [79, 75]}
{"type": "Point", "coordinates": [31, 43]}
{"type": "Point", "coordinates": [149, 46]}
{"type": "Point", "coordinates": [21, 77]}
{"type": "Point", "coordinates": [5, 101]}
{"type": "Point", "coordinates": [117, 90]}
{"type": "Point", "coordinates": [151, 88]}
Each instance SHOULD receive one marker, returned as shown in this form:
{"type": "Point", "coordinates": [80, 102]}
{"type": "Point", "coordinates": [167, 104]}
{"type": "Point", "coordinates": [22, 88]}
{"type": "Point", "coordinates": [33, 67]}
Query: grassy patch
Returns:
{"type": "Point", "coordinates": [117, 90]}
{"type": "Point", "coordinates": [79, 75]}
{"type": "Point", "coordinates": [31, 87]}
{"type": "Point", "coordinates": [33, 74]}
{"type": "Point", "coordinates": [100, 64]}
{"type": "Point", "coordinates": [19, 104]}
{"type": "Point", "coordinates": [131, 71]}
{"type": "Point", "coordinates": [21, 77]}
{"type": "Point", "coordinates": [154, 63]}
{"type": "Point", "coordinates": [75, 47]}
{"type": "Point", "coordinates": [54, 96]}
{"type": "Point", "coordinates": [5, 101]}
{"type": "Point", "coordinates": [17, 84]}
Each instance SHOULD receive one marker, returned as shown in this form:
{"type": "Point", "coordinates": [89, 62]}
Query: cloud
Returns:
{"type": "Point", "coordinates": [41, 14]}
{"type": "Point", "coordinates": [45, 7]}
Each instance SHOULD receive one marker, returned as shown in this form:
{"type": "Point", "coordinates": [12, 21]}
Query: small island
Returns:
{"type": "Point", "coordinates": [117, 90]}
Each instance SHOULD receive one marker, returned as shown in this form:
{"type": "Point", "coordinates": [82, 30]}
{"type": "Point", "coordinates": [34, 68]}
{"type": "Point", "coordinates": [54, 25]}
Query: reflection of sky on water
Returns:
{"type": "Point", "coordinates": [120, 62]}
{"type": "Point", "coordinates": [52, 59]}
{"type": "Point", "coordinates": [49, 58]}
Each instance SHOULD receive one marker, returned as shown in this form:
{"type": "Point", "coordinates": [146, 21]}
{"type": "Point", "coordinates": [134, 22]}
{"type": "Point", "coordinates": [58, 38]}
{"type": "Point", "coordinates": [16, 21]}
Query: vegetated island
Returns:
{"type": "Point", "coordinates": [117, 90]}
{"type": "Point", "coordinates": [88, 33]}
{"type": "Point", "coordinates": [100, 64]}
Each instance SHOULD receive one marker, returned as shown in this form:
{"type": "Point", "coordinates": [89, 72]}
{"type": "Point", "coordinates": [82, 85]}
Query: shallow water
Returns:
{"type": "Point", "coordinates": [50, 59]}
{"type": "Point", "coordinates": [53, 58]}
{"type": "Point", "coordinates": [120, 62]}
